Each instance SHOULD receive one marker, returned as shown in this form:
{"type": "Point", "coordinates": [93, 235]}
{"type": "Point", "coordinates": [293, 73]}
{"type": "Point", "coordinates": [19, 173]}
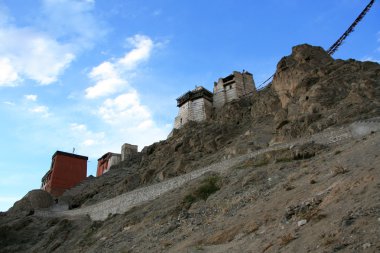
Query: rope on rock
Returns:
{"type": "Point", "coordinates": [339, 42]}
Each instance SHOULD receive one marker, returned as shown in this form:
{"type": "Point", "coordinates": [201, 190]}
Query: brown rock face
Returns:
{"type": "Point", "coordinates": [35, 199]}
{"type": "Point", "coordinates": [298, 69]}
{"type": "Point", "coordinates": [310, 92]}
{"type": "Point", "coordinates": [256, 204]}
{"type": "Point", "coordinates": [317, 91]}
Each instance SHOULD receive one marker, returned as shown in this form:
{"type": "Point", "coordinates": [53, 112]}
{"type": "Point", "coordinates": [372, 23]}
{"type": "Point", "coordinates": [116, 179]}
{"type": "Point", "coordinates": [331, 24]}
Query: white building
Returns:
{"type": "Point", "coordinates": [198, 104]}
{"type": "Point", "coordinates": [232, 87]}
{"type": "Point", "coordinates": [195, 105]}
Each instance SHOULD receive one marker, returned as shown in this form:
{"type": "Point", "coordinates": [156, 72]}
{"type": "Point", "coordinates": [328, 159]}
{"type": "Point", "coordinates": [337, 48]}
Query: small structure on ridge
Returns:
{"type": "Point", "coordinates": [195, 105]}
{"type": "Point", "coordinates": [128, 151]}
{"type": "Point", "coordinates": [234, 86]}
{"type": "Point", "coordinates": [66, 171]}
{"type": "Point", "coordinates": [106, 161]}
{"type": "Point", "coordinates": [198, 104]}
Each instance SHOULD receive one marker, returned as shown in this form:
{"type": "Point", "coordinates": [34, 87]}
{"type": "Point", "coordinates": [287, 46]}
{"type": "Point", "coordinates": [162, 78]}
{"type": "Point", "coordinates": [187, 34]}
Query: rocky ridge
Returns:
{"type": "Point", "coordinates": [274, 202]}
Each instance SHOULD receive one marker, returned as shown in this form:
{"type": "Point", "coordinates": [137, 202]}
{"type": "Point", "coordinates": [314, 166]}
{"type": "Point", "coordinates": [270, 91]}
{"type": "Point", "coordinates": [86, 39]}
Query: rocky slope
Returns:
{"type": "Point", "coordinates": [327, 201]}
{"type": "Point", "coordinates": [317, 91]}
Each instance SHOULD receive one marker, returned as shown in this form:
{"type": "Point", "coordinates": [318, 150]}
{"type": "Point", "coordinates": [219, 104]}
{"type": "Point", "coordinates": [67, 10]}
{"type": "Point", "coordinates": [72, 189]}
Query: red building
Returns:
{"type": "Point", "coordinates": [106, 161]}
{"type": "Point", "coordinates": [66, 171]}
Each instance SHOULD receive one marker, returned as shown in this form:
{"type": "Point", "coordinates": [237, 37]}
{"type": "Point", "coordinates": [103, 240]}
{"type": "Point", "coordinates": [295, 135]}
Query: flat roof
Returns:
{"type": "Point", "coordinates": [198, 92]}
{"type": "Point", "coordinates": [108, 154]}
{"type": "Point", "coordinates": [70, 155]}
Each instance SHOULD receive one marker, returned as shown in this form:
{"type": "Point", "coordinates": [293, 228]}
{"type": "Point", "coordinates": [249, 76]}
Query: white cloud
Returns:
{"type": "Point", "coordinates": [41, 110]}
{"type": "Point", "coordinates": [8, 75]}
{"type": "Point", "coordinates": [109, 77]}
{"type": "Point", "coordinates": [108, 81]}
{"type": "Point", "coordinates": [126, 118]}
{"type": "Point", "coordinates": [42, 59]}
{"type": "Point", "coordinates": [124, 109]}
{"type": "Point", "coordinates": [131, 120]}
{"type": "Point", "coordinates": [9, 103]}
{"type": "Point", "coordinates": [42, 50]}
{"type": "Point", "coordinates": [78, 127]}
{"type": "Point", "coordinates": [88, 142]}
{"type": "Point", "coordinates": [31, 97]}
{"type": "Point", "coordinates": [143, 46]}
{"type": "Point", "coordinates": [72, 20]}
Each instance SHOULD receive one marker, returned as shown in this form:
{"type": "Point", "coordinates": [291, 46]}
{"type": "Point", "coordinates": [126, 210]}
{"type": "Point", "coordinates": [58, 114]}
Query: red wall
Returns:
{"type": "Point", "coordinates": [102, 164]}
{"type": "Point", "coordinates": [67, 171]}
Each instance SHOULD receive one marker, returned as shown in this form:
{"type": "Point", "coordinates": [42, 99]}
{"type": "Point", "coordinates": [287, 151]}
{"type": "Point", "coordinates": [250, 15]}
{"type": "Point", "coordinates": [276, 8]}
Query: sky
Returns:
{"type": "Point", "coordinates": [94, 74]}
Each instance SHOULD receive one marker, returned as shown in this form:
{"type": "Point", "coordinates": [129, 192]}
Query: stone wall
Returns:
{"type": "Point", "coordinates": [244, 83]}
{"type": "Point", "coordinates": [127, 151]}
{"type": "Point", "coordinates": [114, 159]}
{"type": "Point", "coordinates": [200, 109]}
{"type": "Point", "coordinates": [232, 87]}
{"type": "Point", "coordinates": [183, 115]}
{"type": "Point", "coordinates": [231, 92]}
{"type": "Point", "coordinates": [126, 201]}
{"type": "Point", "coordinates": [196, 110]}
{"type": "Point", "coordinates": [219, 97]}
{"type": "Point", "coordinates": [226, 90]}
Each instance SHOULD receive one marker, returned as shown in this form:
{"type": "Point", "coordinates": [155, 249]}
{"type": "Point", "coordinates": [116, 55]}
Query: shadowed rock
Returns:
{"type": "Point", "coordinates": [33, 200]}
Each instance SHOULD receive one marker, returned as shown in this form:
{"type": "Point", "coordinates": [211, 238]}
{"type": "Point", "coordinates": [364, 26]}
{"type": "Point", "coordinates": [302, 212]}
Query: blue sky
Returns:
{"type": "Point", "coordinates": [94, 74]}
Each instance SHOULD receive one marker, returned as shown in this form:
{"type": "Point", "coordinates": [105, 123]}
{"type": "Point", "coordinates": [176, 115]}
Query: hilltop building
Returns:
{"type": "Point", "coordinates": [109, 159]}
{"type": "Point", "coordinates": [198, 104]}
{"type": "Point", "coordinates": [66, 171]}
{"type": "Point", "coordinates": [195, 105]}
{"type": "Point", "coordinates": [234, 86]}
{"type": "Point", "coordinates": [128, 151]}
{"type": "Point", "coordinates": [106, 161]}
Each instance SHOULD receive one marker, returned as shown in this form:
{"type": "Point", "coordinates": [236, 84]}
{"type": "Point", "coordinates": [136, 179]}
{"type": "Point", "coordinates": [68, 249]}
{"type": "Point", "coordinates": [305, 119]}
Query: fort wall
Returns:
{"type": "Point", "coordinates": [124, 202]}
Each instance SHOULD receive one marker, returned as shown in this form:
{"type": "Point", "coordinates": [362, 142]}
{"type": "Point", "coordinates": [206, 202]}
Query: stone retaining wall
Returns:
{"type": "Point", "coordinates": [126, 201]}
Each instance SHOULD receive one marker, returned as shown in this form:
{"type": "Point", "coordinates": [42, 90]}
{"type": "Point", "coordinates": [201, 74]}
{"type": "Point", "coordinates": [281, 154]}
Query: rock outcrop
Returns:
{"type": "Point", "coordinates": [33, 200]}
{"type": "Point", "coordinates": [310, 92]}
{"type": "Point", "coordinates": [273, 202]}
{"type": "Point", "coordinates": [317, 91]}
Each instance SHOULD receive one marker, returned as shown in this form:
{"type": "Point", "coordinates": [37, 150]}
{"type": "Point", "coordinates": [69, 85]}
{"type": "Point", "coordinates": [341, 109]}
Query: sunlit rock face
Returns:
{"type": "Point", "coordinates": [299, 69]}
{"type": "Point", "coordinates": [317, 91]}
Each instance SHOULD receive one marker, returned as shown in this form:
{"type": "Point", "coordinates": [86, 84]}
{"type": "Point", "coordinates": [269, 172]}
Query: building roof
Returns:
{"type": "Point", "coordinates": [70, 155]}
{"type": "Point", "coordinates": [108, 155]}
{"type": "Point", "coordinates": [228, 79]}
{"type": "Point", "coordinates": [198, 92]}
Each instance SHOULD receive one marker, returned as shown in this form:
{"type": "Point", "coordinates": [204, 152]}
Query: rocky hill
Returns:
{"type": "Point", "coordinates": [282, 190]}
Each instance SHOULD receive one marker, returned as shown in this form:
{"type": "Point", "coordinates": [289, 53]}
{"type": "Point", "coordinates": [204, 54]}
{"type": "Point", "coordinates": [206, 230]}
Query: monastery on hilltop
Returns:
{"type": "Point", "coordinates": [198, 104]}
{"type": "Point", "coordinates": [68, 170]}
